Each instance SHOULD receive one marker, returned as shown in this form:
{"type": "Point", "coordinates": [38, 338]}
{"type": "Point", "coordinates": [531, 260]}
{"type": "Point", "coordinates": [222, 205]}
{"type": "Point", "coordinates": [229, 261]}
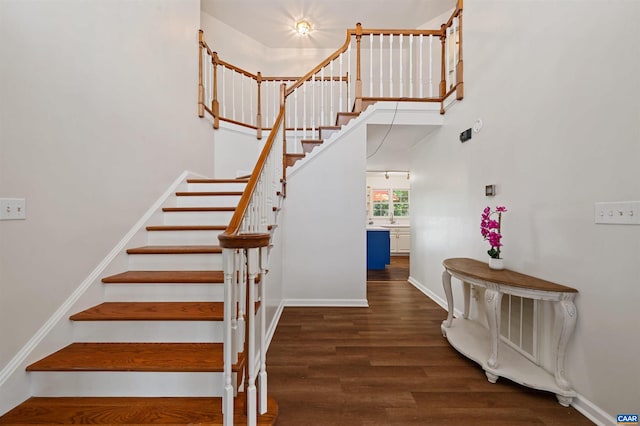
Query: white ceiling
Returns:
{"type": "Point", "coordinates": [271, 23]}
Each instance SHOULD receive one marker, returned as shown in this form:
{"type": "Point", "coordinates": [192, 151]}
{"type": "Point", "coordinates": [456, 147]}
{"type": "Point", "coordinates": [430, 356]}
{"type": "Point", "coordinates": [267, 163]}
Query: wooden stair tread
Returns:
{"type": "Point", "coordinates": [131, 411]}
{"type": "Point", "coordinates": [152, 311]}
{"type": "Point", "coordinates": [311, 141]}
{"type": "Point", "coordinates": [329, 127]}
{"type": "Point", "coordinates": [198, 209]}
{"type": "Point", "coordinates": [192, 249]}
{"type": "Point", "coordinates": [157, 357]}
{"type": "Point", "coordinates": [198, 180]}
{"type": "Point", "coordinates": [193, 277]}
{"type": "Point", "coordinates": [186, 228]}
{"type": "Point", "coordinates": [208, 193]}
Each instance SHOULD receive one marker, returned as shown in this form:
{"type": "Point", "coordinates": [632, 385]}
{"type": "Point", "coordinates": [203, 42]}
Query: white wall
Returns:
{"type": "Point", "coordinates": [324, 235]}
{"type": "Point", "coordinates": [236, 150]}
{"type": "Point", "coordinates": [560, 100]}
{"type": "Point", "coordinates": [98, 117]}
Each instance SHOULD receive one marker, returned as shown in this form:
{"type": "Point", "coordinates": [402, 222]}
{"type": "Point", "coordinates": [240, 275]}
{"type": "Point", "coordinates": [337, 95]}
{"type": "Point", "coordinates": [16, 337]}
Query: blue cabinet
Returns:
{"type": "Point", "coordinates": [378, 248]}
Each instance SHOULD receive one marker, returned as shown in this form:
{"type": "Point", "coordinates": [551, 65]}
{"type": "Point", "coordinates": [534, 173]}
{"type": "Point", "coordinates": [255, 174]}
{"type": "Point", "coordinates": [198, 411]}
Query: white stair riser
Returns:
{"type": "Point", "coordinates": [197, 218]}
{"type": "Point", "coordinates": [125, 384]}
{"type": "Point", "coordinates": [207, 201]}
{"type": "Point", "coordinates": [216, 187]}
{"type": "Point", "coordinates": [148, 331]}
{"type": "Point", "coordinates": [326, 133]}
{"type": "Point", "coordinates": [162, 292]}
{"type": "Point", "coordinates": [175, 262]}
{"type": "Point", "coordinates": [182, 238]}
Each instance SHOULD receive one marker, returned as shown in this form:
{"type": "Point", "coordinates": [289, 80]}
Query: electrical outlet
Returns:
{"type": "Point", "coordinates": [13, 209]}
{"type": "Point", "coordinates": [620, 213]}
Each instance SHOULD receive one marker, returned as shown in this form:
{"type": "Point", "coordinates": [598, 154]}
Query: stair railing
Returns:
{"type": "Point", "coordinates": [372, 65]}
{"type": "Point", "coordinates": [245, 245]}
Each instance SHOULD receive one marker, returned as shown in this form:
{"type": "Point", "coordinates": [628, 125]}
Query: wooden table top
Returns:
{"type": "Point", "coordinates": [480, 270]}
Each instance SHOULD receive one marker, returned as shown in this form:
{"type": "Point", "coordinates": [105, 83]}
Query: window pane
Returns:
{"type": "Point", "coordinates": [380, 195]}
{"type": "Point", "coordinates": [400, 196]}
{"type": "Point", "coordinates": [380, 209]}
{"type": "Point", "coordinates": [401, 209]}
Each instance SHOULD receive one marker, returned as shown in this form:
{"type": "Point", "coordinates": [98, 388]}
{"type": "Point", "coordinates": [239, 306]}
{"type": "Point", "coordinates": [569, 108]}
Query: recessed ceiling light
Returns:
{"type": "Point", "coordinates": [303, 27]}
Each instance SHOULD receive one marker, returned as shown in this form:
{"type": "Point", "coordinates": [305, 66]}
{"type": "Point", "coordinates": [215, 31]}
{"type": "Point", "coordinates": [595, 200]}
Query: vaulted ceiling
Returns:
{"type": "Point", "coordinates": [272, 21]}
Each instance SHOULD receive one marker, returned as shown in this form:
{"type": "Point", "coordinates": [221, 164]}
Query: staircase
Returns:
{"type": "Point", "coordinates": [152, 352]}
{"type": "Point", "coordinates": [324, 132]}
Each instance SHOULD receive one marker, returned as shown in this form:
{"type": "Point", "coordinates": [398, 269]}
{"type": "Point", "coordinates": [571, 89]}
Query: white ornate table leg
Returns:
{"type": "Point", "coordinates": [492, 300]}
{"type": "Point", "coordinates": [446, 283]}
{"type": "Point", "coordinates": [467, 296]}
{"type": "Point", "coordinates": [566, 316]}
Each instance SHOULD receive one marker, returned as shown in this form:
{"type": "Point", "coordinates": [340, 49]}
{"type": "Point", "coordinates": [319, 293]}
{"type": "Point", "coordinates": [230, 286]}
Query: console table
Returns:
{"type": "Point", "coordinates": [483, 346]}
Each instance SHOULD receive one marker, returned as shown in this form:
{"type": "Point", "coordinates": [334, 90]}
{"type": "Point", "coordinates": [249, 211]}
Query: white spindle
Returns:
{"type": "Point", "coordinates": [242, 80]}
{"type": "Point", "coordinates": [390, 65]}
{"type": "Point", "coordinates": [420, 60]}
{"type": "Point", "coordinates": [455, 51]}
{"type": "Point", "coordinates": [350, 75]}
{"type": "Point", "coordinates": [227, 396]}
{"type": "Point", "coordinates": [251, 90]}
{"type": "Point", "coordinates": [222, 113]}
{"type": "Point", "coordinates": [331, 86]}
{"type": "Point", "coordinates": [233, 94]}
{"type": "Point", "coordinates": [295, 111]}
{"type": "Point", "coordinates": [446, 60]}
{"type": "Point", "coordinates": [371, 64]}
{"type": "Point", "coordinates": [431, 65]}
{"type": "Point", "coordinates": [401, 83]}
{"type": "Point", "coordinates": [411, 65]}
{"type": "Point", "coordinates": [267, 101]}
{"type": "Point", "coordinates": [252, 266]}
{"type": "Point", "coordinates": [322, 108]}
{"type": "Point", "coordinates": [340, 104]}
{"type": "Point", "coordinates": [262, 378]}
{"type": "Point", "coordinates": [304, 110]}
{"type": "Point", "coordinates": [313, 104]}
{"type": "Point", "coordinates": [381, 37]}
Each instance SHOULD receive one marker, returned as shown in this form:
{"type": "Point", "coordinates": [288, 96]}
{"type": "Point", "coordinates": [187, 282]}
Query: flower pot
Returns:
{"type": "Point", "coordinates": [496, 264]}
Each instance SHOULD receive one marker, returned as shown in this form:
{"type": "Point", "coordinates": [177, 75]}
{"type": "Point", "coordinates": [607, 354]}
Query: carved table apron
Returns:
{"type": "Point", "coordinates": [469, 338]}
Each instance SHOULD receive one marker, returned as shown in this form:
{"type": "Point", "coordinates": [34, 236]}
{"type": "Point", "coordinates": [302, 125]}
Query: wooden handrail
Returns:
{"type": "Point", "coordinates": [230, 237]}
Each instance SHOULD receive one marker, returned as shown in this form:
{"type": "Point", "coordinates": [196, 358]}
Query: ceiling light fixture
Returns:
{"type": "Point", "coordinates": [303, 27]}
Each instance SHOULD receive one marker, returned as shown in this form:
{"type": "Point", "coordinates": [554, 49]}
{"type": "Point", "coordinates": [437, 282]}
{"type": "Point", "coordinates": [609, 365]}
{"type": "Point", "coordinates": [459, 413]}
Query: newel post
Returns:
{"type": "Point", "coordinates": [259, 114]}
{"type": "Point", "coordinates": [358, 105]}
{"type": "Point", "coordinates": [200, 85]}
{"type": "Point", "coordinates": [215, 106]}
{"type": "Point", "coordinates": [459, 73]}
{"type": "Point", "coordinates": [443, 71]}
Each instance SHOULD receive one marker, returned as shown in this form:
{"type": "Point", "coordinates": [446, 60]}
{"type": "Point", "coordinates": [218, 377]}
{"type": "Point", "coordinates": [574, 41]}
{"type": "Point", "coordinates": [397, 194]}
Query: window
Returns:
{"type": "Point", "coordinates": [390, 201]}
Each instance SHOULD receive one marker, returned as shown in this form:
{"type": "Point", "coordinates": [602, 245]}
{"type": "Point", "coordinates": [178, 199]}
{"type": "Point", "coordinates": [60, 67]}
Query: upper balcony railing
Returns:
{"type": "Point", "coordinates": [372, 65]}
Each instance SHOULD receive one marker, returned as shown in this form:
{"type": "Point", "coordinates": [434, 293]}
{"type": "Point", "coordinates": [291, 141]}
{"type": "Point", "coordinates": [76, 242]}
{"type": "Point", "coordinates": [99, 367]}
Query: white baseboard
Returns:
{"type": "Point", "coordinates": [580, 403]}
{"type": "Point", "coordinates": [342, 303]}
{"type": "Point", "coordinates": [591, 411]}
{"type": "Point", "coordinates": [14, 381]}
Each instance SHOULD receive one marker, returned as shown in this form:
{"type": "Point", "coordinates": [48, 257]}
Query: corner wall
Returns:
{"type": "Point", "coordinates": [98, 117]}
{"type": "Point", "coordinates": [560, 101]}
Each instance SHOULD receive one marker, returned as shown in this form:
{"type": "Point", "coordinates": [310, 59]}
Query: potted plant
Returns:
{"type": "Point", "coordinates": [490, 229]}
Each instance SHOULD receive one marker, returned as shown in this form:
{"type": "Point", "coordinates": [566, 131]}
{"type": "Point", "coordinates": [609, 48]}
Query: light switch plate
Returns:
{"type": "Point", "coordinates": [617, 213]}
{"type": "Point", "coordinates": [13, 209]}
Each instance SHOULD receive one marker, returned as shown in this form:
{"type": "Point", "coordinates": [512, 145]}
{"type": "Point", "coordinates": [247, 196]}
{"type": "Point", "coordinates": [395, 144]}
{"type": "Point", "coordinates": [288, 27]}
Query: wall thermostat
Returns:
{"type": "Point", "coordinates": [490, 190]}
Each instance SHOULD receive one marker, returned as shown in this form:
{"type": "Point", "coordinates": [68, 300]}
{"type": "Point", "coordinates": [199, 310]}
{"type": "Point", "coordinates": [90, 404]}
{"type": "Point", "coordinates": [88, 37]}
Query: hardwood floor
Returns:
{"type": "Point", "coordinates": [388, 364]}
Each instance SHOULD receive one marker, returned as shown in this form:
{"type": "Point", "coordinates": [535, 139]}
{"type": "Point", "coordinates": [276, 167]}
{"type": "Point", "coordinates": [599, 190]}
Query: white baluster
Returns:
{"type": "Point", "coordinates": [371, 64]}
{"type": "Point", "coordinates": [242, 96]}
{"type": "Point", "coordinates": [341, 84]}
{"type": "Point", "coordinates": [390, 65]}
{"type": "Point", "coordinates": [227, 395]}
{"type": "Point", "coordinates": [262, 378]}
{"type": "Point", "coordinates": [304, 109]}
{"type": "Point", "coordinates": [233, 94]}
{"type": "Point", "coordinates": [322, 107]}
{"type": "Point", "coordinates": [251, 89]}
{"type": "Point", "coordinates": [295, 111]}
{"type": "Point", "coordinates": [411, 65]}
{"type": "Point", "coordinates": [401, 73]}
{"type": "Point", "coordinates": [313, 104]}
{"type": "Point", "coordinates": [267, 101]}
{"type": "Point", "coordinates": [252, 270]}
{"type": "Point", "coordinates": [454, 76]}
{"type": "Point", "coordinates": [331, 85]}
{"type": "Point", "coordinates": [223, 91]}
{"type": "Point", "coordinates": [381, 94]}
{"type": "Point", "coordinates": [431, 65]}
{"type": "Point", "coordinates": [350, 75]}
{"type": "Point", "coordinates": [421, 76]}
